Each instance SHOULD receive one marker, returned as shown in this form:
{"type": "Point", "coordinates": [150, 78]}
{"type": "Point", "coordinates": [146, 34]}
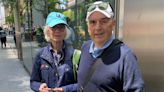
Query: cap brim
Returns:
{"type": "Point", "coordinates": [103, 12]}
{"type": "Point", "coordinates": [54, 23]}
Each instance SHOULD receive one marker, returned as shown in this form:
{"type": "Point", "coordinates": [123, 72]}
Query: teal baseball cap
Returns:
{"type": "Point", "coordinates": [55, 18]}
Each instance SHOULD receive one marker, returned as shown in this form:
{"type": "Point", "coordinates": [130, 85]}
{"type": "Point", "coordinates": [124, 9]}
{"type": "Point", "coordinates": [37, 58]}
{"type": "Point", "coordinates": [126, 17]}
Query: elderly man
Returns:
{"type": "Point", "coordinates": [107, 64]}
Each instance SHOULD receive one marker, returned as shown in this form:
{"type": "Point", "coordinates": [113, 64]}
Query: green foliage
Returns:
{"type": "Point", "coordinates": [10, 19]}
{"type": "Point", "coordinates": [8, 2]}
{"type": "Point", "coordinates": [52, 4]}
{"type": "Point", "coordinates": [40, 37]}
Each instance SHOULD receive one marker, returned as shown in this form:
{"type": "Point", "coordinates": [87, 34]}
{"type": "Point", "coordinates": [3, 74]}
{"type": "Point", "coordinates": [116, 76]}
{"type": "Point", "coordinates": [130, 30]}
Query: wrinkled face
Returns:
{"type": "Point", "coordinates": [100, 27]}
{"type": "Point", "coordinates": [57, 33]}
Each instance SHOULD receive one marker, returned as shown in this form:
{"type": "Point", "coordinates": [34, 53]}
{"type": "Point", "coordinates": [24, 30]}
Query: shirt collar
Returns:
{"type": "Point", "coordinates": [95, 52]}
{"type": "Point", "coordinates": [51, 49]}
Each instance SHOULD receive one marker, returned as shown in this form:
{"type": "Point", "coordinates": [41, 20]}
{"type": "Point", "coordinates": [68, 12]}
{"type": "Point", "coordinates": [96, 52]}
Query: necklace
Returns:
{"type": "Point", "coordinates": [58, 56]}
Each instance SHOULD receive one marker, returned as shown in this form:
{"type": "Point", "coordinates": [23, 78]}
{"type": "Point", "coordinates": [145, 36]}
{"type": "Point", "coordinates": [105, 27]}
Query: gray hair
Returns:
{"type": "Point", "coordinates": [46, 33]}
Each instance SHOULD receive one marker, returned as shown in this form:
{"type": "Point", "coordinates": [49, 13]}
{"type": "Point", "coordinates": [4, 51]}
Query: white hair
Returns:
{"type": "Point", "coordinates": [46, 33]}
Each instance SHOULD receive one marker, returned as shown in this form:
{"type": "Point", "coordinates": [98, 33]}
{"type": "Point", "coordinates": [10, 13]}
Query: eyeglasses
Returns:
{"type": "Point", "coordinates": [101, 6]}
{"type": "Point", "coordinates": [60, 27]}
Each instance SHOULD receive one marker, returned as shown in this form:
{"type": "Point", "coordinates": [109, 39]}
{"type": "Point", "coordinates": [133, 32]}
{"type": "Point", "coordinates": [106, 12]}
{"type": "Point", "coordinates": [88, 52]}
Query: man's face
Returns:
{"type": "Point", "coordinates": [100, 28]}
{"type": "Point", "coordinates": [57, 33]}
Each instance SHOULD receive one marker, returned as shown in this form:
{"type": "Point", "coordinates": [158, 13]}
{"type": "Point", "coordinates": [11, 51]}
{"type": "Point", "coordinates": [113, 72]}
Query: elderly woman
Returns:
{"type": "Point", "coordinates": [53, 69]}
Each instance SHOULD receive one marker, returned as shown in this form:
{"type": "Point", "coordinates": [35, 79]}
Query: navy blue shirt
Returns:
{"type": "Point", "coordinates": [118, 73]}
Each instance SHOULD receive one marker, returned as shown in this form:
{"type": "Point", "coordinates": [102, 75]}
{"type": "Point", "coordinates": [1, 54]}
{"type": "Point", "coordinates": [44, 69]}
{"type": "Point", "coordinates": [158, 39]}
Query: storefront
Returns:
{"type": "Point", "coordinates": [76, 13]}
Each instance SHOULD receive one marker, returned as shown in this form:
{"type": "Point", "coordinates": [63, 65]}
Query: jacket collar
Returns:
{"type": "Point", "coordinates": [47, 53]}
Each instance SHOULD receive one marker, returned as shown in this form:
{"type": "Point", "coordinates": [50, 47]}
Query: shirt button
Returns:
{"type": "Point", "coordinates": [67, 69]}
{"type": "Point", "coordinates": [46, 66]}
{"type": "Point", "coordinates": [56, 74]}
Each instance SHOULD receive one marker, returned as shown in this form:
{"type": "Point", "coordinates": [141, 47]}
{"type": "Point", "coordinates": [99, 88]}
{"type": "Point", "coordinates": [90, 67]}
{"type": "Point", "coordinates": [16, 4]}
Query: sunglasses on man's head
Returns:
{"type": "Point", "coordinates": [101, 6]}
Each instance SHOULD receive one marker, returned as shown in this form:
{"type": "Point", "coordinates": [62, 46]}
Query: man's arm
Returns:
{"type": "Point", "coordinates": [132, 78]}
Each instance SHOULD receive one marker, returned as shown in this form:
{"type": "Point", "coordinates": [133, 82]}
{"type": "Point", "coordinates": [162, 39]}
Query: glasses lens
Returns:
{"type": "Point", "coordinates": [103, 6]}
{"type": "Point", "coordinates": [91, 8]}
{"type": "Point", "coordinates": [59, 27]}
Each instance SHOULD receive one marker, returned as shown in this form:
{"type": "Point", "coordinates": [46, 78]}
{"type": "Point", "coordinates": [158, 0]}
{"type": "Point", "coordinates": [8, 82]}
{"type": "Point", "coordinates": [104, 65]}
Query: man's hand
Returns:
{"type": "Point", "coordinates": [44, 88]}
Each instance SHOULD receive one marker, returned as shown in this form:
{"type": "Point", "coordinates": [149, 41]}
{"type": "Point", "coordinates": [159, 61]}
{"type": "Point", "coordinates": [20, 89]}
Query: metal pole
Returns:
{"type": "Point", "coordinates": [117, 11]}
{"type": "Point", "coordinates": [46, 9]}
{"type": "Point", "coordinates": [31, 20]}
{"type": "Point", "coordinates": [76, 13]}
{"type": "Point", "coordinates": [17, 28]}
{"type": "Point", "coordinates": [28, 15]}
{"type": "Point", "coordinates": [76, 24]}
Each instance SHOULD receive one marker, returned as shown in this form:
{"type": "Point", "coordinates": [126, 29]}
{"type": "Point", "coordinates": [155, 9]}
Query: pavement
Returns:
{"type": "Point", "coordinates": [13, 76]}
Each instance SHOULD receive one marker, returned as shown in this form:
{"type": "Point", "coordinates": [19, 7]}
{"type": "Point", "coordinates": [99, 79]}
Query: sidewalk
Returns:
{"type": "Point", "coordinates": [13, 77]}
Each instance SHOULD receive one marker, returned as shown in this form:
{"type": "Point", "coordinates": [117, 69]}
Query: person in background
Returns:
{"type": "Point", "coordinates": [14, 36]}
{"type": "Point", "coordinates": [118, 70]}
{"type": "Point", "coordinates": [3, 37]}
{"type": "Point", "coordinates": [52, 69]}
{"type": "Point", "coordinates": [71, 39]}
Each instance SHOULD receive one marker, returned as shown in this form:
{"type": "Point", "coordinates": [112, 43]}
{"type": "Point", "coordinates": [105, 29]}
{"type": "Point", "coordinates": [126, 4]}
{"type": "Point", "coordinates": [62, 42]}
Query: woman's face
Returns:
{"type": "Point", "coordinates": [57, 33]}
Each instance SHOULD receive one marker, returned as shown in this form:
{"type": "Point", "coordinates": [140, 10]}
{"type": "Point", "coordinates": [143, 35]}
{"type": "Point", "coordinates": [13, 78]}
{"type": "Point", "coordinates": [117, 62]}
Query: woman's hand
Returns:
{"type": "Point", "coordinates": [58, 90]}
{"type": "Point", "coordinates": [44, 88]}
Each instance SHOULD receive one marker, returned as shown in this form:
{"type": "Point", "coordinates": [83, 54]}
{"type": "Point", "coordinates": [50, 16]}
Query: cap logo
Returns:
{"type": "Point", "coordinates": [55, 18]}
{"type": "Point", "coordinates": [58, 15]}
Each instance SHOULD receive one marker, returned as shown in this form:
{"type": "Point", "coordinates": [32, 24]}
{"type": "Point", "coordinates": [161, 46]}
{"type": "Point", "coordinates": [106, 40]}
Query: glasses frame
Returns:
{"type": "Point", "coordinates": [101, 6]}
{"type": "Point", "coordinates": [59, 27]}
